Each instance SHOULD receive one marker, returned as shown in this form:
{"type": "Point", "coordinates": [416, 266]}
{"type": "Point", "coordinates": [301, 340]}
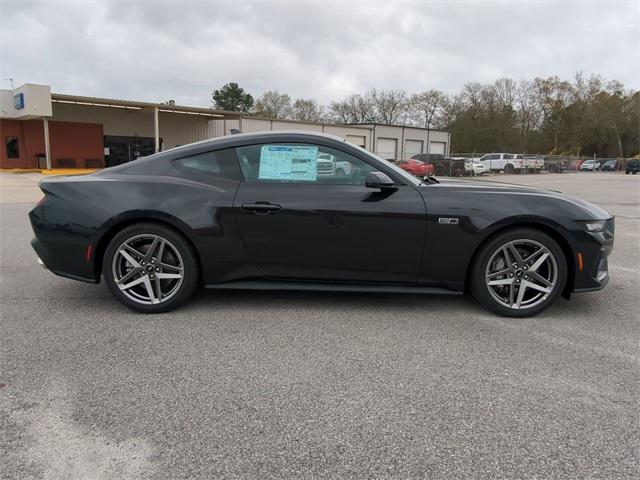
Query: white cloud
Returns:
{"type": "Point", "coordinates": [156, 50]}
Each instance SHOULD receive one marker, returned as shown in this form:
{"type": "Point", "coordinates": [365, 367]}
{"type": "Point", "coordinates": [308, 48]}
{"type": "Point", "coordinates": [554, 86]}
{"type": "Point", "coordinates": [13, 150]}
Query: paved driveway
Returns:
{"type": "Point", "coordinates": [318, 385]}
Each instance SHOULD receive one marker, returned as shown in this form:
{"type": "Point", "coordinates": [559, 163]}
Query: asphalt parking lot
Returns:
{"type": "Point", "coordinates": [318, 385]}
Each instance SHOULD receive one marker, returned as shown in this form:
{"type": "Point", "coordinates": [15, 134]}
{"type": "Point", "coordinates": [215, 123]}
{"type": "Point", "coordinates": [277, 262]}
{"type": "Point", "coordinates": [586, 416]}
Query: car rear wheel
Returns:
{"type": "Point", "coordinates": [519, 273]}
{"type": "Point", "coordinates": [150, 268]}
{"type": "Point", "coordinates": [508, 168]}
{"type": "Point", "coordinates": [440, 172]}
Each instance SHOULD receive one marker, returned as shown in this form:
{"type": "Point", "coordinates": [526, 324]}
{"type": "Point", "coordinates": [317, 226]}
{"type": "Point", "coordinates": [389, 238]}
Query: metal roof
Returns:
{"type": "Point", "coordinates": [135, 105]}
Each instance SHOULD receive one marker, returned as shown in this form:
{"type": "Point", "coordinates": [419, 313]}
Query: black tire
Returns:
{"type": "Point", "coordinates": [482, 292]}
{"type": "Point", "coordinates": [552, 169]}
{"type": "Point", "coordinates": [174, 242]}
{"type": "Point", "coordinates": [633, 173]}
{"type": "Point", "coordinates": [440, 172]}
{"type": "Point", "coordinates": [508, 168]}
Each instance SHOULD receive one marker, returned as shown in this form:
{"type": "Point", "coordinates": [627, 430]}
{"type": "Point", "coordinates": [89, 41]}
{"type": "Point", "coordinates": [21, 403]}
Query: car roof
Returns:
{"type": "Point", "coordinates": [257, 137]}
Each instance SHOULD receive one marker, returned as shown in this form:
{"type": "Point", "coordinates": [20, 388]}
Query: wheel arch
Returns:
{"type": "Point", "coordinates": [537, 225]}
{"type": "Point", "coordinates": [131, 218]}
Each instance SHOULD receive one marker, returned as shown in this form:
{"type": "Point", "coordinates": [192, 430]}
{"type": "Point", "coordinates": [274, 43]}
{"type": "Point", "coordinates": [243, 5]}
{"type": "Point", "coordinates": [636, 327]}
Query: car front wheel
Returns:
{"type": "Point", "coordinates": [150, 268]}
{"type": "Point", "coordinates": [519, 273]}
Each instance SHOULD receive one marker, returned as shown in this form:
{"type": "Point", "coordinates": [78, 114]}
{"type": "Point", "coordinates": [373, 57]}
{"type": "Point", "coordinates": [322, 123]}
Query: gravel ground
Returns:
{"type": "Point", "coordinates": [317, 385]}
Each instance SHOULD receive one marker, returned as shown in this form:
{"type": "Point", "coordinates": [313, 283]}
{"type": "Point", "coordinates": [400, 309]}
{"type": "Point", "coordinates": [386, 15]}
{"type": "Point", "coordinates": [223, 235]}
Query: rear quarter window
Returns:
{"type": "Point", "coordinates": [218, 164]}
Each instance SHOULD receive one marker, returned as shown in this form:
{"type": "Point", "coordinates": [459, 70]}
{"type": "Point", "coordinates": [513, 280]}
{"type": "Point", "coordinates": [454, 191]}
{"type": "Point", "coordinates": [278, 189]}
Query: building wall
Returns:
{"type": "Point", "coordinates": [433, 138]}
{"type": "Point", "coordinates": [78, 142]}
{"type": "Point", "coordinates": [12, 128]}
{"type": "Point", "coordinates": [37, 102]}
{"type": "Point", "coordinates": [218, 128]}
{"type": "Point", "coordinates": [365, 135]}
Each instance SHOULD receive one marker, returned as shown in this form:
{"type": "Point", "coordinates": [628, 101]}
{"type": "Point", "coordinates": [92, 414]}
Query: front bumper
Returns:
{"type": "Point", "coordinates": [592, 250]}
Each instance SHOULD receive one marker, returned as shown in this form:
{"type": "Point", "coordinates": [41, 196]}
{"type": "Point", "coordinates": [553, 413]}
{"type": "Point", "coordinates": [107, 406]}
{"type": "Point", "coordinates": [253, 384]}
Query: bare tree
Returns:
{"type": "Point", "coordinates": [273, 104]}
{"type": "Point", "coordinates": [554, 96]}
{"type": "Point", "coordinates": [307, 110]}
{"type": "Point", "coordinates": [356, 108]}
{"type": "Point", "coordinates": [424, 107]}
{"type": "Point", "coordinates": [505, 91]}
{"type": "Point", "coordinates": [390, 105]}
{"type": "Point", "coordinates": [472, 94]}
{"type": "Point", "coordinates": [452, 107]}
{"type": "Point", "coordinates": [528, 111]}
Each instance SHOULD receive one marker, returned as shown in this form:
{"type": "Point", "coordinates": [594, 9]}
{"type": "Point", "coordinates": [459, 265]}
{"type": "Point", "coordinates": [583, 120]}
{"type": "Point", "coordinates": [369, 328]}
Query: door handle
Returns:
{"type": "Point", "coordinates": [261, 208]}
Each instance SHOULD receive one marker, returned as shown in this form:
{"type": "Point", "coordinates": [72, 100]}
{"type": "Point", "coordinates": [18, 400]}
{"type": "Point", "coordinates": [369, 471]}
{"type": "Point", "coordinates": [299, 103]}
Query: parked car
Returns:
{"type": "Point", "coordinates": [473, 167]}
{"type": "Point", "coordinates": [505, 162]}
{"type": "Point", "coordinates": [532, 163]}
{"type": "Point", "coordinates": [555, 165]}
{"type": "Point", "coordinates": [633, 166]}
{"type": "Point", "coordinates": [249, 211]}
{"type": "Point", "coordinates": [609, 166]}
{"type": "Point", "coordinates": [328, 165]}
{"type": "Point", "coordinates": [442, 166]}
{"type": "Point", "coordinates": [590, 166]}
{"type": "Point", "coordinates": [416, 167]}
{"type": "Point", "coordinates": [574, 165]}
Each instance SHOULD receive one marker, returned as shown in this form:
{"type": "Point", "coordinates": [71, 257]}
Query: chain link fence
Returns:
{"type": "Point", "coordinates": [514, 163]}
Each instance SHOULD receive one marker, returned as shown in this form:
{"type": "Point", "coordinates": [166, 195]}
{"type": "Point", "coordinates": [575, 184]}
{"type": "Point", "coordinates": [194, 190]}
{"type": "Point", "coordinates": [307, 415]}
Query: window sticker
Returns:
{"type": "Point", "coordinates": [288, 162]}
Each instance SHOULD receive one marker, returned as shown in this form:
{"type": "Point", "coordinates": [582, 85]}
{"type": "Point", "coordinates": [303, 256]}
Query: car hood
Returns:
{"type": "Point", "coordinates": [591, 211]}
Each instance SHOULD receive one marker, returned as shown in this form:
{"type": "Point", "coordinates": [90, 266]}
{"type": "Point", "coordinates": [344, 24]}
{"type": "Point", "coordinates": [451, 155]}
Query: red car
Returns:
{"type": "Point", "coordinates": [416, 167]}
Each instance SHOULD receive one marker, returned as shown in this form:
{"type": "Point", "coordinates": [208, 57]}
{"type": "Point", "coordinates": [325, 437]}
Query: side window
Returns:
{"type": "Point", "coordinates": [301, 163]}
{"type": "Point", "coordinates": [217, 164]}
{"type": "Point", "coordinates": [508, 156]}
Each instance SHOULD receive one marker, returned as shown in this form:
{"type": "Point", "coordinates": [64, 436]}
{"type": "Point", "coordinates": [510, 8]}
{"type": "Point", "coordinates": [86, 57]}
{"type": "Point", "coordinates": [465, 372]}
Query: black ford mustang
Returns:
{"type": "Point", "coordinates": [294, 210]}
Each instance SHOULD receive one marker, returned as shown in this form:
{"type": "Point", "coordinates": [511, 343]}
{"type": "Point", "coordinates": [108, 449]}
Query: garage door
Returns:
{"type": "Point", "coordinates": [438, 147]}
{"type": "Point", "coordinates": [357, 140]}
{"type": "Point", "coordinates": [387, 148]}
{"type": "Point", "coordinates": [411, 147]}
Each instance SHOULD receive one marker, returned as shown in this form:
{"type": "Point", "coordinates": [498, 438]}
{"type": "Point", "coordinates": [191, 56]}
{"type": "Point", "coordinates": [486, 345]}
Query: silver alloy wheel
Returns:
{"type": "Point", "coordinates": [148, 269]}
{"type": "Point", "coordinates": [521, 274]}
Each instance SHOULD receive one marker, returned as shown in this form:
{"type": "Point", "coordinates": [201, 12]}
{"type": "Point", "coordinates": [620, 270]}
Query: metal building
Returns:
{"type": "Point", "coordinates": [40, 129]}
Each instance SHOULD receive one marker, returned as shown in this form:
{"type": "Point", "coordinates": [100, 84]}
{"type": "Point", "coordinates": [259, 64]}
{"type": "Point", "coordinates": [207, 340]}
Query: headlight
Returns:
{"type": "Point", "coordinates": [595, 225]}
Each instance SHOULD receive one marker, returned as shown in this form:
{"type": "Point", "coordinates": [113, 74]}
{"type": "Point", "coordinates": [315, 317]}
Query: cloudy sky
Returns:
{"type": "Point", "coordinates": [159, 50]}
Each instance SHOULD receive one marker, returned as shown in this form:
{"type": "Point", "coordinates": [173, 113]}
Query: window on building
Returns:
{"type": "Point", "coordinates": [13, 147]}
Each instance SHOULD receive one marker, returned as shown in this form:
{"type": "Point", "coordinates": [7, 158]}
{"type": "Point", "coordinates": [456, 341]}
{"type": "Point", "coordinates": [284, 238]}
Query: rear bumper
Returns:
{"type": "Point", "coordinates": [60, 249]}
{"type": "Point", "coordinates": [44, 261]}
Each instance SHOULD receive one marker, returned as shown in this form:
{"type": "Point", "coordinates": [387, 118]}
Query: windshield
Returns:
{"type": "Point", "coordinates": [396, 169]}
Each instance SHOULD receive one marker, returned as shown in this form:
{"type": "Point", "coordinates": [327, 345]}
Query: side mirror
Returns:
{"type": "Point", "coordinates": [378, 180]}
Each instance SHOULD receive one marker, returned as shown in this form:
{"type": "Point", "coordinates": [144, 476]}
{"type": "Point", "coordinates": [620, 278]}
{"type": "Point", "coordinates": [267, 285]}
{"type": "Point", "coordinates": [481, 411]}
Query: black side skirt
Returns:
{"type": "Point", "coordinates": [326, 287]}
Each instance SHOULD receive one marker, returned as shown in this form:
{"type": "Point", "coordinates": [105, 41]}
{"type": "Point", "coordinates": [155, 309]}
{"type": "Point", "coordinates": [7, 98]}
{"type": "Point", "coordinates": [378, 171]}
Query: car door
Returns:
{"type": "Point", "coordinates": [297, 223]}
